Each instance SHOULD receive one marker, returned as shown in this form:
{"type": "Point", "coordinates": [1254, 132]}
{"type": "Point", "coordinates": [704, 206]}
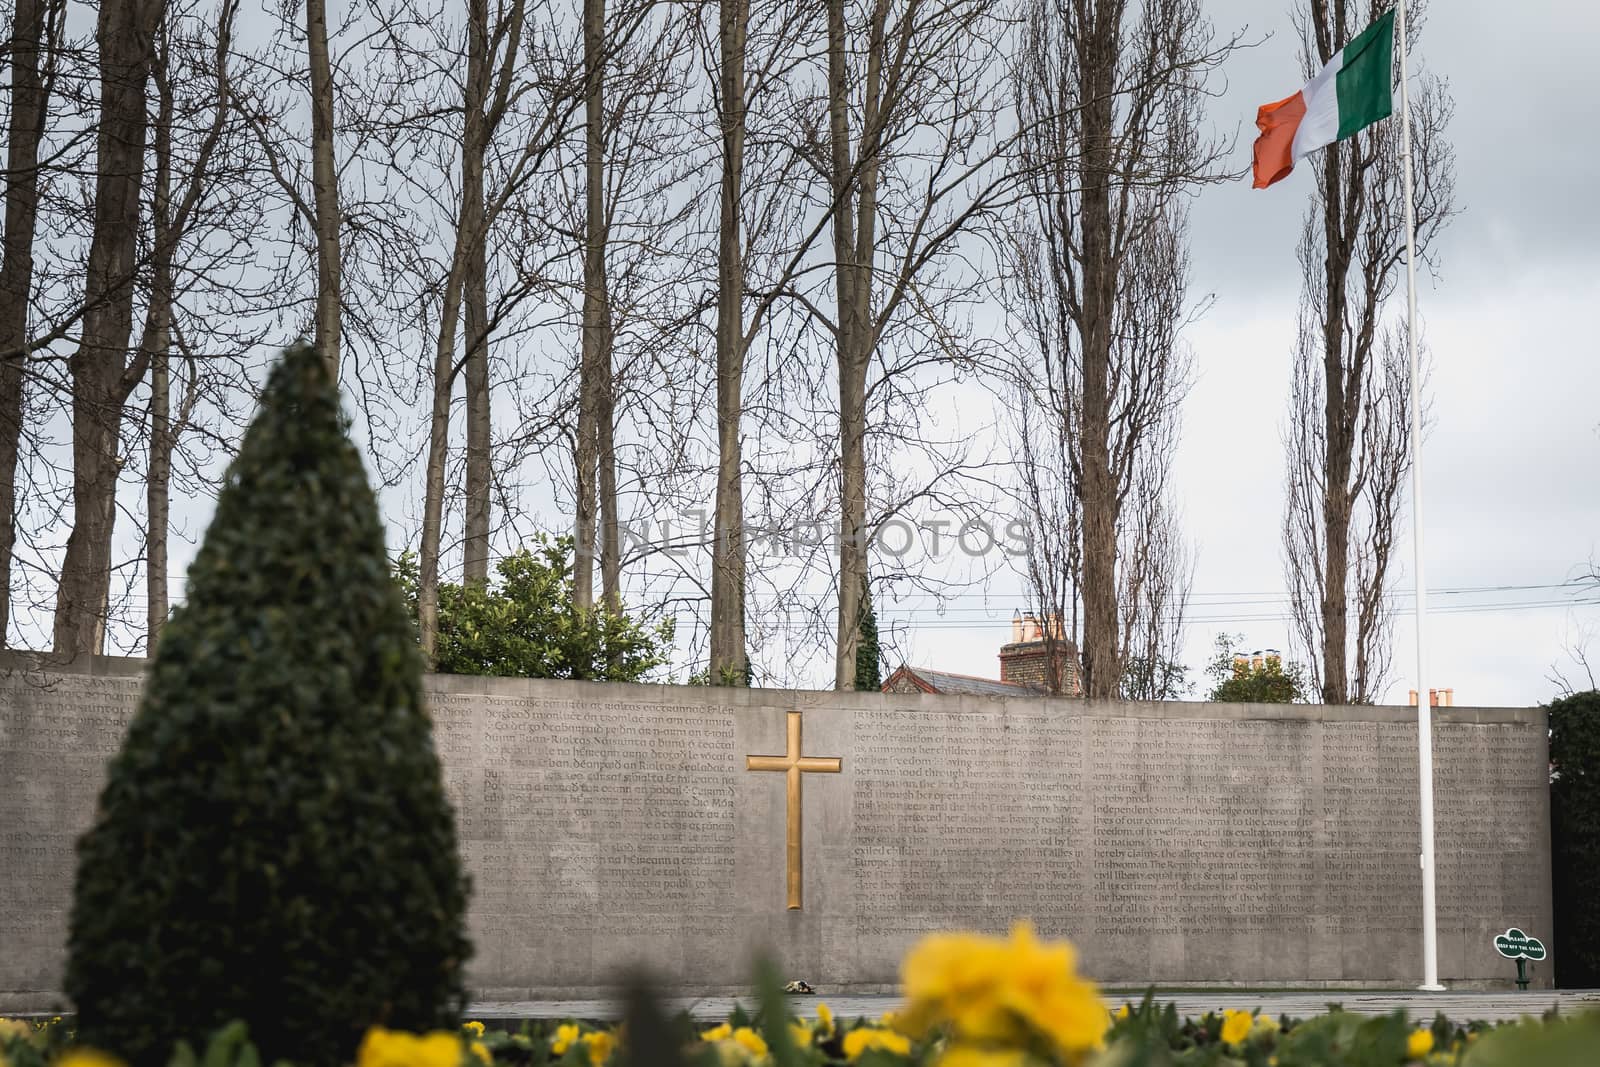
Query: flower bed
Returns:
{"type": "Point", "coordinates": [971, 1001]}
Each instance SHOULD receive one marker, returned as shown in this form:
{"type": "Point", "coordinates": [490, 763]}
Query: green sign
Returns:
{"type": "Point", "coordinates": [1515, 945]}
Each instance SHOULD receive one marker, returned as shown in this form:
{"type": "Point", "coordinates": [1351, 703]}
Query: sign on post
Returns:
{"type": "Point", "coordinates": [1516, 945]}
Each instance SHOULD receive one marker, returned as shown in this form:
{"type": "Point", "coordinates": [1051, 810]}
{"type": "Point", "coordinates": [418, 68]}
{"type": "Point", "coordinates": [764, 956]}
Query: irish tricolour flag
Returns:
{"type": "Point", "coordinates": [1350, 94]}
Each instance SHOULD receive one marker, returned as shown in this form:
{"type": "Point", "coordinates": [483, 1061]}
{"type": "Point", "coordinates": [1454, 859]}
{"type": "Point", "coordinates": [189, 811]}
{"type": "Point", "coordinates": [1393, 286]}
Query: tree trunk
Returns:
{"type": "Point", "coordinates": [474, 146]}
{"type": "Point", "coordinates": [125, 33]}
{"type": "Point", "coordinates": [156, 344]}
{"type": "Point", "coordinates": [27, 51]}
{"type": "Point", "coordinates": [729, 658]}
{"type": "Point", "coordinates": [438, 453]}
{"type": "Point", "coordinates": [1339, 433]}
{"type": "Point", "coordinates": [610, 529]}
{"type": "Point", "coordinates": [590, 386]}
{"type": "Point", "coordinates": [855, 190]}
{"type": "Point", "coordinates": [324, 184]}
{"type": "Point", "coordinates": [1097, 76]}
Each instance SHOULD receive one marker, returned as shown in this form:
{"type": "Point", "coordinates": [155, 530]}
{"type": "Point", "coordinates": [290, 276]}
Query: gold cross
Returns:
{"type": "Point", "coordinates": [793, 765]}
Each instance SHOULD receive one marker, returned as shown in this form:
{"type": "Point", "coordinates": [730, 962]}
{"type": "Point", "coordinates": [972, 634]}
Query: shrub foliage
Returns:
{"type": "Point", "coordinates": [1575, 837]}
{"type": "Point", "coordinates": [869, 673]}
{"type": "Point", "coordinates": [273, 843]}
{"type": "Point", "coordinates": [526, 623]}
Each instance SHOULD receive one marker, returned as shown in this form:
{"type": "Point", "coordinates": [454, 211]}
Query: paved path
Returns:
{"type": "Point", "coordinates": [1458, 1006]}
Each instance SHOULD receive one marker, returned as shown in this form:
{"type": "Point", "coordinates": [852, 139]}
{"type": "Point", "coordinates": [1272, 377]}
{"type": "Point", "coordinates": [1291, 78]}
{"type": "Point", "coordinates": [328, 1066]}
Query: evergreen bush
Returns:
{"type": "Point", "coordinates": [869, 675]}
{"type": "Point", "coordinates": [1575, 838]}
{"type": "Point", "coordinates": [274, 843]}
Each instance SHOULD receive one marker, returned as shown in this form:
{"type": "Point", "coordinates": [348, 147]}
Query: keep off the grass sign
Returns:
{"type": "Point", "coordinates": [1516, 945]}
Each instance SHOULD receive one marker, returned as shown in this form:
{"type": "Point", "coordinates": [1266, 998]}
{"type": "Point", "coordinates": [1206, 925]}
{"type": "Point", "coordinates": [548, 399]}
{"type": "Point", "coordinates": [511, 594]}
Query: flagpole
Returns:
{"type": "Point", "coordinates": [1430, 921]}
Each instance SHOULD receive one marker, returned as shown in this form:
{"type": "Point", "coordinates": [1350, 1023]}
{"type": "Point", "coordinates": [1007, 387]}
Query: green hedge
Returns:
{"type": "Point", "coordinates": [273, 843]}
{"type": "Point", "coordinates": [1575, 838]}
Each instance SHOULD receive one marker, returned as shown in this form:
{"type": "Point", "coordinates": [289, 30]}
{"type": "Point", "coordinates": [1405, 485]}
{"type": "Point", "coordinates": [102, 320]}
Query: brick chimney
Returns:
{"type": "Point", "coordinates": [1027, 659]}
{"type": "Point", "coordinates": [1437, 698]}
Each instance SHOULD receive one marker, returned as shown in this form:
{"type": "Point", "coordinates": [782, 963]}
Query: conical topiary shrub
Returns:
{"type": "Point", "coordinates": [273, 843]}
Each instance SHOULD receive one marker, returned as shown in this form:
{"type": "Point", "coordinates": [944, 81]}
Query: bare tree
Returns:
{"type": "Point", "coordinates": [1112, 97]}
{"type": "Point", "coordinates": [172, 218]}
{"type": "Point", "coordinates": [32, 52]}
{"type": "Point", "coordinates": [101, 375]}
{"type": "Point", "coordinates": [475, 136]}
{"type": "Point", "coordinates": [1348, 438]}
{"type": "Point", "coordinates": [913, 163]}
{"type": "Point", "coordinates": [729, 657]}
{"type": "Point", "coordinates": [324, 185]}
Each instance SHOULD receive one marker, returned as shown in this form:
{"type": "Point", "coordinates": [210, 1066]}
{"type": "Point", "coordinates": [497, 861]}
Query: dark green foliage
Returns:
{"type": "Point", "coordinates": [869, 675]}
{"type": "Point", "coordinates": [525, 625]}
{"type": "Point", "coordinates": [273, 843]}
{"type": "Point", "coordinates": [1575, 838]}
{"type": "Point", "coordinates": [1274, 682]}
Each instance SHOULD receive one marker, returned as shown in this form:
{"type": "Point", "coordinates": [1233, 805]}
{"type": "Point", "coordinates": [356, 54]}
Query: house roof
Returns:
{"type": "Point", "coordinates": [930, 681]}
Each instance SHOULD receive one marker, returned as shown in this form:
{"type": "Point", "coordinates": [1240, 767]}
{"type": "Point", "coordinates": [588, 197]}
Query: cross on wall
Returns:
{"type": "Point", "coordinates": [793, 765]}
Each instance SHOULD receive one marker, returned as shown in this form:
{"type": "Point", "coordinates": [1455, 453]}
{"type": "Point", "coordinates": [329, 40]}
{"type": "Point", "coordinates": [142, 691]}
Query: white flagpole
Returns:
{"type": "Point", "coordinates": [1430, 923]}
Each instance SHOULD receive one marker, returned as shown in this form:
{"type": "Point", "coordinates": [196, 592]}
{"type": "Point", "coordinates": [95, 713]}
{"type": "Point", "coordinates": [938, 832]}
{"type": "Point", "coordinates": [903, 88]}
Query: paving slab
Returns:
{"type": "Point", "coordinates": [1460, 1007]}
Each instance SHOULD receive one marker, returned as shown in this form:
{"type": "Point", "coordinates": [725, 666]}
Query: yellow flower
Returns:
{"type": "Point", "coordinates": [395, 1048]}
{"type": "Point", "coordinates": [974, 1056]}
{"type": "Point", "coordinates": [14, 1028]}
{"type": "Point", "coordinates": [887, 1019]}
{"type": "Point", "coordinates": [1122, 1012]}
{"type": "Point", "coordinates": [800, 1033]}
{"type": "Point", "coordinates": [1419, 1044]}
{"type": "Point", "coordinates": [473, 1027]}
{"type": "Point", "coordinates": [563, 1038]}
{"type": "Point", "coordinates": [717, 1033]}
{"type": "Point", "coordinates": [1236, 1026]}
{"type": "Point", "coordinates": [750, 1041]}
{"type": "Point", "coordinates": [601, 1043]}
{"type": "Point", "coordinates": [860, 1040]}
{"type": "Point", "coordinates": [824, 1019]}
{"type": "Point", "coordinates": [480, 1050]}
{"type": "Point", "coordinates": [1265, 1024]}
{"type": "Point", "coordinates": [990, 990]}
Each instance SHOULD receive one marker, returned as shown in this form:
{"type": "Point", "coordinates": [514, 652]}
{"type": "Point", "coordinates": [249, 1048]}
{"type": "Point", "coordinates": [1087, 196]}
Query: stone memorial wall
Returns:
{"type": "Point", "coordinates": [1184, 843]}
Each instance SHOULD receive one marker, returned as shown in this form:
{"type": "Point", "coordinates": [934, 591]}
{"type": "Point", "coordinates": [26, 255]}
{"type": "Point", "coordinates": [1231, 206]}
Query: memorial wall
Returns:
{"type": "Point", "coordinates": [1184, 843]}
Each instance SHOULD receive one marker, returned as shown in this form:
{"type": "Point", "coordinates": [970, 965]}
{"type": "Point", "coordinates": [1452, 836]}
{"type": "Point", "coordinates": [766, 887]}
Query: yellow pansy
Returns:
{"type": "Point", "coordinates": [563, 1038]}
{"type": "Point", "coordinates": [990, 990]}
{"type": "Point", "coordinates": [396, 1048]}
{"type": "Point", "coordinates": [887, 1019]}
{"type": "Point", "coordinates": [1122, 1012]}
{"type": "Point", "coordinates": [473, 1027]}
{"type": "Point", "coordinates": [824, 1019]}
{"type": "Point", "coordinates": [480, 1050]}
{"type": "Point", "coordinates": [1265, 1024]}
{"type": "Point", "coordinates": [10, 1028]}
{"type": "Point", "coordinates": [1419, 1044]}
{"type": "Point", "coordinates": [600, 1044]}
{"type": "Point", "coordinates": [750, 1041]}
{"type": "Point", "coordinates": [800, 1033]}
{"type": "Point", "coordinates": [868, 1037]}
{"type": "Point", "coordinates": [717, 1033]}
{"type": "Point", "coordinates": [976, 1056]}
{"type": "Point", "coordinates": [1236, 1026]}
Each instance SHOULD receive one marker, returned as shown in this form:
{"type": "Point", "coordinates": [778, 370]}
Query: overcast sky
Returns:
{"type": "Point", "coordinates": [1512, 491]}
{"type": "Point", "coordinates": [1512, 465]}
